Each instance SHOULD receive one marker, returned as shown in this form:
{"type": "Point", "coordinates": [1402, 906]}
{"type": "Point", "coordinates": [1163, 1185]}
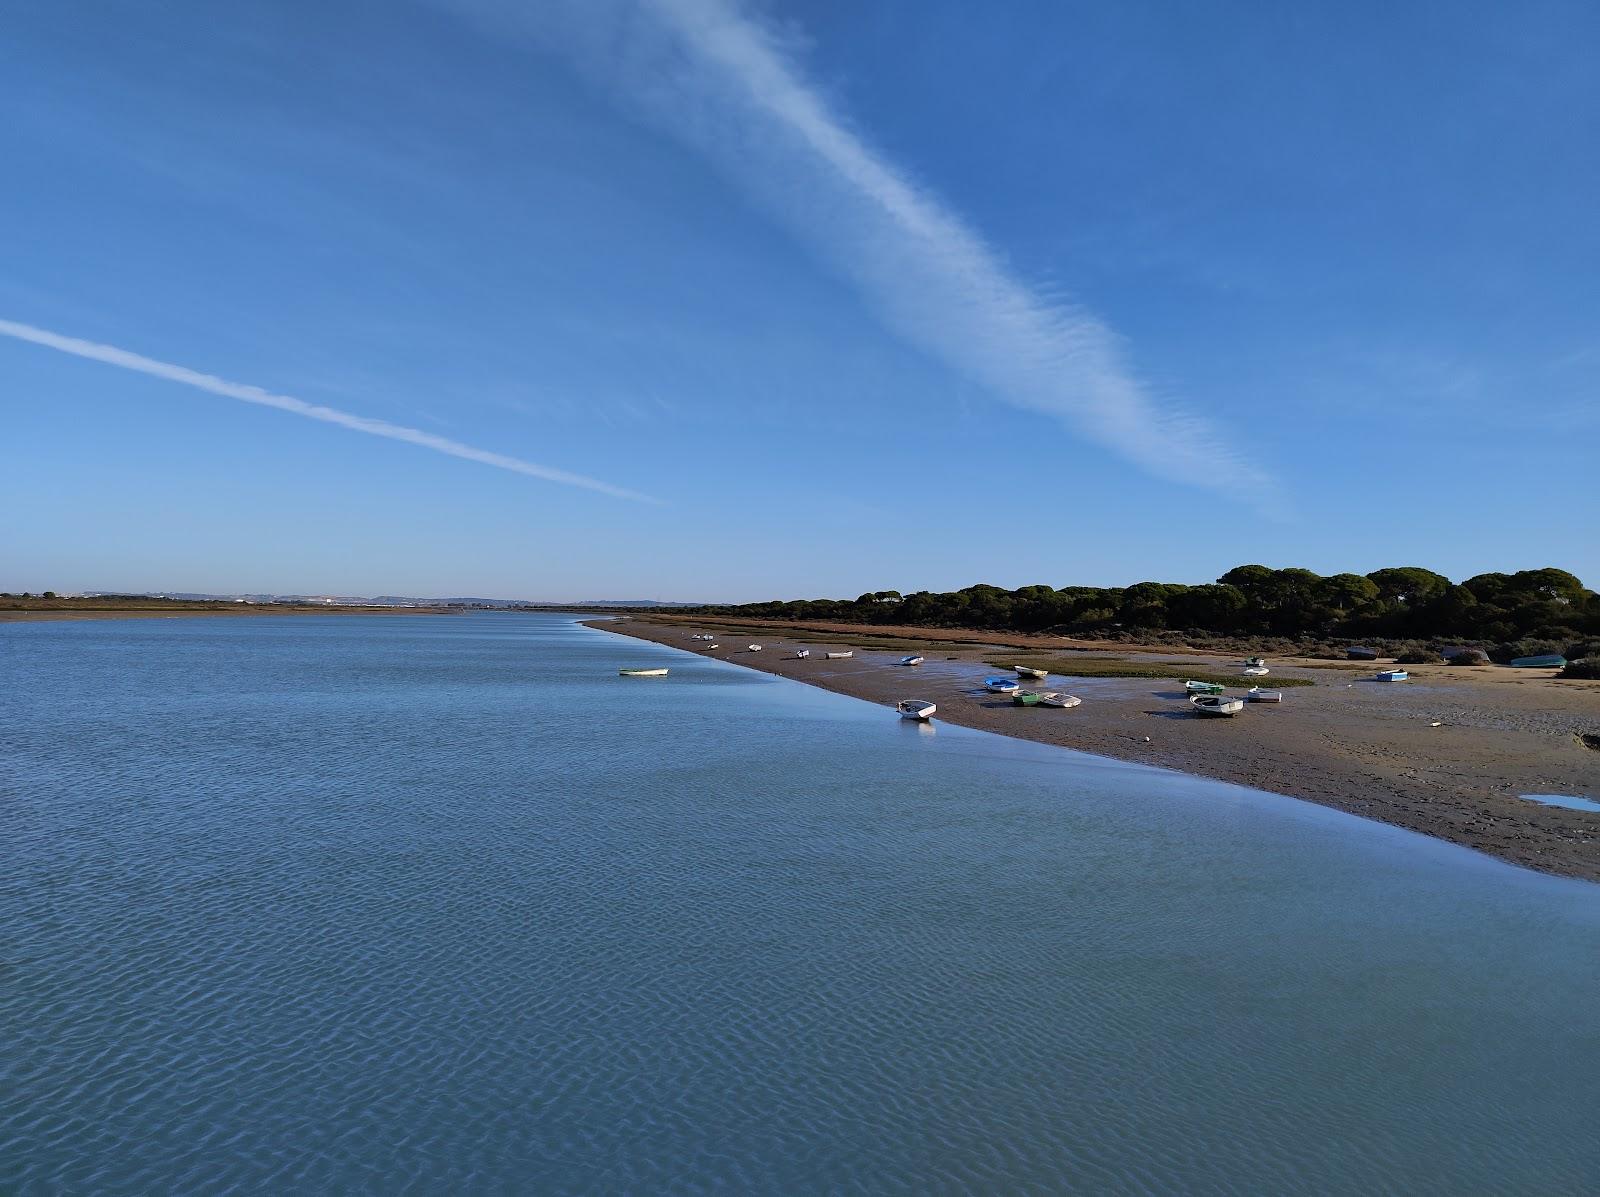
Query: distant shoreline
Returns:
{"type": "Point", "coordinates": [1446, 755]}
{"type": "Point", "coordinates": [65, 611]}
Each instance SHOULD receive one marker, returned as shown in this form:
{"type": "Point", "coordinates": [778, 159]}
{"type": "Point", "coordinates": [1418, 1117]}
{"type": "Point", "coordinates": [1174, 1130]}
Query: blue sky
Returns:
{"type": "Point", "coordinates": [843, 296]}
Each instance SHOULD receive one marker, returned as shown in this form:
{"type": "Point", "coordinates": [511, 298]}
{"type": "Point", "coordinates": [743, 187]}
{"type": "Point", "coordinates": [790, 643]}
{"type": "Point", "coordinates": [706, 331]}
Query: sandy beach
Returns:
{"type": "Point", "coordinates": [1446, 754]}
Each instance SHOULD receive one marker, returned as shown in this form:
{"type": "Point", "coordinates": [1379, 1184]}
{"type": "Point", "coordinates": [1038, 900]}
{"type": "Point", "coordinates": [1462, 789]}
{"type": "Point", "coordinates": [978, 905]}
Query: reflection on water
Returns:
{"type": "Point", "coordinates": [444, 905]}
{"type": "Point", "coordinates": [1570, 801]}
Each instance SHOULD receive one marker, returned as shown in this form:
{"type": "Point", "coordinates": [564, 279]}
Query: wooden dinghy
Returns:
{"type": "Point", "coordinates": [1051, 698]}
{"type": "Point", "coordinates": [1257, 694]}
{"type": "Point", "coordinates": [1216, 704]}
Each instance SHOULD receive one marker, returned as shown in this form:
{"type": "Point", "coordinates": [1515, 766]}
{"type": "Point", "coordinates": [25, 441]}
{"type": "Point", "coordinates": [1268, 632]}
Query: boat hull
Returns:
{"type": "Point", "coordinates": [642, 672]}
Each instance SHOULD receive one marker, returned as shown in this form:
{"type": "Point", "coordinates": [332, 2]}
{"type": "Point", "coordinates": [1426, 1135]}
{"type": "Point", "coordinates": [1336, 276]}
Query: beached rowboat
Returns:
{"type": "Point", "coordinates": [1392, 675]}
{"type": "Point", "coordinates": [1051, 698]}
{"type": "Point", "coordinates": [755, 648]}
{"type": "Point", "coordinates": [642, 672]}
{"type": "Point", "coordinates": [1256, 671]}
{"type": "Point", "coordinates": [844, 656]}
{"type": "Point", "coordinates": [1025, 698]}
{"type": "Point", "coordinates": [1030, 671]}
{"type": "Point", "coordinates": [1547, 661]}
{"type": "Point", "coordinates": [911, 660]}
{"type": "Point", "coordinates": [916, 708]}
{"type": "Point", "coordinates": [1203, 687]}
{"type": "Point", "coordinates": [1216, 704]}
{"type": "Point", "coordinates": [1255, 660]}
{"type": "Point", "coordinates": [1001, 685]}
{"type": "Point", "coordinates": [1257, 694]}
{"type": "Point", "coordinates": [800, 654]}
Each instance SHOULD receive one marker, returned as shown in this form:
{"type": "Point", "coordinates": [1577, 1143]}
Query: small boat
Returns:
{"type": "Point", "coordinates": [1203, 687]}
{"type": "Point", "coordinates": [1256, 671]}
{"type": "Point", "coordinates": [754, 648]}
{"type": "Point", "coordinates": [1051, 698]}
{"type": "Point", "coordinates": [916, 708]}
{"type": "Point", "coordinates": [912, 660]}
{"type": "Point", "coordinates": [1001, 685]}
{"type": "Point", "coordinates": [1392, 675]}
{"type": "Point", "coordinates": [1030, 671]}
{"type": "Point", "coordinates": [800, 654]}
{"type": "Point", "coordinates": [709, 647]}
{"type": "Point", "coordinates": [1252, 661]}
{"type": "Point", "coordinates": [642, 672]}
{"type": "Point", "coordinates": [1356, 653]}
{"type": "Point", "coordinates": [1546, 661]}
{"type": "Point", "coordinates": [1025, 698]}
{"type": "Point", "coordinates": [1216, 704]}
{"type": "Point", "coordinates": [844, 656]}
{"type": "Point", "coordinates": [1257, 694]}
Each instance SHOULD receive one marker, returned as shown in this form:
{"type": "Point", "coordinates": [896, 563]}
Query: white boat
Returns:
{"type": "Point", "coordinates": [1001, 685]}
{"type": "Point", "coordinates": [844, 656]}
{"type": "Point", "coordinates": [800, 654]}
{"type": "Point", "coordinates": [711, 646]}
{"type": "Point", "coordinates": [916, 708]}
{"type": "Point", "coordinates": [642, 672]}
{"type": "Point", "coordinates": [755, 648]}
{"type": "Point", "coordinates": [1030, 671]}
{"type": "Point", "coordinates": [1216, 704]}
{"type": "Point", "coordinates": [1051, 698]}
{"type": "Point", "coordinates": [1257, 694]}
{"type": "Point", "coordinates": [912, 660]}
{"type": "Point", "coordinates": [1256, 671]}
{"type": "Point", "coordinates": [1392, 675]}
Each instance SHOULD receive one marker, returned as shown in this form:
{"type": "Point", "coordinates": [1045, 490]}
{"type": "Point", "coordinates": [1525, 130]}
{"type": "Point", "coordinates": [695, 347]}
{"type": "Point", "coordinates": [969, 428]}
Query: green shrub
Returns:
{"type": "Point", "coordinates": [1472, 656]}
{"type": "Point", "coordinates": [1420, 656]}
{"type": "Point", "coordinates": [1587, 669]}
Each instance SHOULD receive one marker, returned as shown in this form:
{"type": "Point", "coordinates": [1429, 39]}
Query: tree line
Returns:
{"type": "Point", "coordinates": [1401, 603]}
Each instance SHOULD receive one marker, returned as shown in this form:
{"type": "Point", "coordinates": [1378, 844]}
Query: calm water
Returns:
{"type": "Point", "coordinates": [444, 905]}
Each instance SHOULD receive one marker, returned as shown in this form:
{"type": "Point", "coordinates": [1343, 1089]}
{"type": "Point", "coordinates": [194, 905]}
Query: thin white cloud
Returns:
{"type": "Point", "coordinates": [112, 356]}
{"type": "Point", "coordinates": [722, 80]}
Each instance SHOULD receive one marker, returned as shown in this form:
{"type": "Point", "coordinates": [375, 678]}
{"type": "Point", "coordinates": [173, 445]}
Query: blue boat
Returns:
{"type": "Point", "coordinates": [1001, 685]}
{"type": "Point", "coordinates": [1393, 675]}
{"type": "Point", "coordinates": [1546, 661]}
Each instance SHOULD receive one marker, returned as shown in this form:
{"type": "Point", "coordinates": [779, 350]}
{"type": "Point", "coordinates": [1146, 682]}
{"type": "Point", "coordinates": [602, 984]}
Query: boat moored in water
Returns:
{"type": "Point", "coordinates": [642, 672]}
{"type": "Point", "coordinates": [916, 708]}
{"type": "Point", "coordinates": [1216, 704]}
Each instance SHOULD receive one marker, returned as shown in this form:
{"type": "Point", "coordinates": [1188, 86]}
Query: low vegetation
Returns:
{"type": "Point", "coordinates": [1587, 669]}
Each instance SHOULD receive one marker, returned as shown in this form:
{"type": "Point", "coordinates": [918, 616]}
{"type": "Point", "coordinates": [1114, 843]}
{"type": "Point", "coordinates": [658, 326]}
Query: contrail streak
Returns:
{"type": "Point", "coordinates": [112, 356]}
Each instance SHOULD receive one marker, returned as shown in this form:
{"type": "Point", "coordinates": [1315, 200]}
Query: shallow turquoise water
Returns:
{"type": "Point", "coordinates": [444, 905]}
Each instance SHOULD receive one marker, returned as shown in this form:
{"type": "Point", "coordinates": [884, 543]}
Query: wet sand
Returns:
{"type": "Point", "coordinates": [1362, 746]}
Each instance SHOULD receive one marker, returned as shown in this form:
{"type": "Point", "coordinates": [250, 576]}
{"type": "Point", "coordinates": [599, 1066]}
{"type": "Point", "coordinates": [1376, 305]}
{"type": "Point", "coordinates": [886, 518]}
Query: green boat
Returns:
{"type": "Point", "coordinates": [1203, 687]}
{"type": "Point", "coordinates": [1025, 698]}
{"type": "Point", "coordinates": [1548, 661]}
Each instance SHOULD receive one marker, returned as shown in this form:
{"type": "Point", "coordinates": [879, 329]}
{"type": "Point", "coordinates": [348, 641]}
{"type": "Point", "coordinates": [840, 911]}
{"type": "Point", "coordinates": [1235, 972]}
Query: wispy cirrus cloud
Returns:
{"type": "Point", "coordinates": [729, 84]}
{"type": "Point", "coordinates": [112, 356]}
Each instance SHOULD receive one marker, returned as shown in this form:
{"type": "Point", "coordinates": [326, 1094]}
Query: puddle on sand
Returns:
{"type": "Point", "coordinates": [1570, 801]}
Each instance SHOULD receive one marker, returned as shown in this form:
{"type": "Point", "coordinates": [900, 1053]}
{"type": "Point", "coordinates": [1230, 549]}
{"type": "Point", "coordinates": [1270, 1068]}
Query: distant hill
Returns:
{"type": "Point", "coordinates": [382, 600]}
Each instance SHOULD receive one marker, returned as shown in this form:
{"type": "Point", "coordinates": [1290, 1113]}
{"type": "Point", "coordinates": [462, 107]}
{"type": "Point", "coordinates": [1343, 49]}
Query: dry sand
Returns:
{"type": "Point", "coordinates": [1347, 741]}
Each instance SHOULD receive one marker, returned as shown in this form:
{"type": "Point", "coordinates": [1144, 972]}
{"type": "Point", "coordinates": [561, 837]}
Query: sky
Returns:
{"type": "Point", "coordinates": [711, 300]}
